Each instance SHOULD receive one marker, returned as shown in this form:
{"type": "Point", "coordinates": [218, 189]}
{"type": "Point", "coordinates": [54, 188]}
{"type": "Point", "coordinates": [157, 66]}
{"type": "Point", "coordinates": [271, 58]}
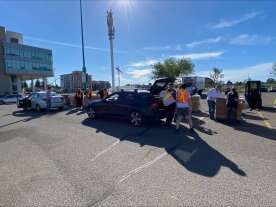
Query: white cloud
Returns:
{"type": "Point", "coordinates": [144, 63]}
{"type": "Point", "coordinates": [178, 47]}
{"type": "Point", "coordinates": [223, 23]}
{"type": "Point", "coordinates": [199, 56]}
{"type": "Point", "coordinates": [256, 72]}
{"type": "Point", "coordinates": [139, 73]}
{"type": "Point", "coordinates": [167, 47]}
{"type": "Point", "coordinates": [245, 39]}
{"type": "Point", "coordinates": [206, 41]}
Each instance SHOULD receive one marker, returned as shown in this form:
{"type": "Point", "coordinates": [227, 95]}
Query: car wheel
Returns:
{"type": "Point", "coordinates": [60, 108]}
{"type": "Point", "coordinates": [135, 118]}
{"type": "Point", "coordinates": [37, 108]}
{"type": "Point", "coordinates": [91, 113]}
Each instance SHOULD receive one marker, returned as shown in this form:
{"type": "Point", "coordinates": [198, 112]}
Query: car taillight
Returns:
{"type": "Point", "coordinates": [154, 105]}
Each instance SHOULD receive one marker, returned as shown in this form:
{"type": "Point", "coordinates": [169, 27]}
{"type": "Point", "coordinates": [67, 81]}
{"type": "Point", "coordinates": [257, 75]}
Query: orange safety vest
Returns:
{"type": "Point", "coordinates": [182, 96]}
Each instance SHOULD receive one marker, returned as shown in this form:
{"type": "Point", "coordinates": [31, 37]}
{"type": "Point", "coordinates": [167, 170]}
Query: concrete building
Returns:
{"type": "Point", "coordinates": [19, 62]}
{"type": "Point", "coordinates": [71, 82]}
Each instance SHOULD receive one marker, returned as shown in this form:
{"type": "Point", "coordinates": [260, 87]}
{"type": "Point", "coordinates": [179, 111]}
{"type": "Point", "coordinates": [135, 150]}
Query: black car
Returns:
{"type": "Point", "coordinates": [135, 106]}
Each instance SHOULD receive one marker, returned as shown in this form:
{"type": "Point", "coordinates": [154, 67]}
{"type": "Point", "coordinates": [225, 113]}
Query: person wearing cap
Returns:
{"type": "Point", "coordinates": [168, 99]}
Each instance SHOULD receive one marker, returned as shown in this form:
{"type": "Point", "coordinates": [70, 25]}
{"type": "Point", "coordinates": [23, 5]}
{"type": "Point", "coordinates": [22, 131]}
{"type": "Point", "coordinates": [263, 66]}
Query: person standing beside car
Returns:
{"type": "Point", "coordinates": [168, 99]}
{"type": "Point", "coordinates": [183, 109]}
{"type": "Point", "coordinates": [212, 94]}
{"type": "Point", "coordinates": [79, 98]}
{"type": "Point", "coordinates": [48, 98]}
{"type": "Point", "coordinates": [232, 105]}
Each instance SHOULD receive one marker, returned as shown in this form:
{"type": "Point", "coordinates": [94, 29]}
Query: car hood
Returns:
{"type": "Point", "coordinates": [160, 84]}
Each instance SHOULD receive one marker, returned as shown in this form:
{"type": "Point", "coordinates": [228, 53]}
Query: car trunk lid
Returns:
{"type": "Point", "coordinates": [160, 84]}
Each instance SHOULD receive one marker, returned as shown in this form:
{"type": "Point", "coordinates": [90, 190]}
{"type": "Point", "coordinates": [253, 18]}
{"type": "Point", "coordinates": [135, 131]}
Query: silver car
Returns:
{"type": "Point", "coordinates": [10, 99]}
{"type": "Point", "coordinates": [38, 100]}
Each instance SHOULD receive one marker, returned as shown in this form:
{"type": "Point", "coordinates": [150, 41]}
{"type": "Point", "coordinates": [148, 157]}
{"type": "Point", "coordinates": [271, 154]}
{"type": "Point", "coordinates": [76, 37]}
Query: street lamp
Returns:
{"type": "Point", "coordinates": [82, 46]}
{"type": "Point", "coordinates": [111, 33]}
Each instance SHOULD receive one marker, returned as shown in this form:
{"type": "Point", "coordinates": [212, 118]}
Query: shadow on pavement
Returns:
{"type": "Point", "coordinates": [252, 117]}
{"type": "Point", "coordinates": [188, 148]}
{"type": "Point", "coordinates": [255, 129]}
{"type": "Point", "coordinates": [269, 109]}
{"type": "Point", "coordinates": [29, 115]}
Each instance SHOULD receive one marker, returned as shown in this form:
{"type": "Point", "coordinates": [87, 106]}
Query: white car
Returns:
{"type": "Point", "coordinates": [38, 101]}
{"type": "Point", "coordinates": [10, 99]}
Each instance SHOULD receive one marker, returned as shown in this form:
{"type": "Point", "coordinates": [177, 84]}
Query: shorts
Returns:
{"type": "Point", "coordinates": [182, 113]}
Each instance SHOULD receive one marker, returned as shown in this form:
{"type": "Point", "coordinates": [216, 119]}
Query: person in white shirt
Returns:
{"type": "Point", "coordinates": [212, 94]}
{"type": "Point", "coordinates": [168, 99]}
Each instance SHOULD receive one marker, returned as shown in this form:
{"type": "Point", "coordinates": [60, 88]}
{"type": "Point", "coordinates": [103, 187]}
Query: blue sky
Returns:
{"type": "Point", "coordinates": [237, 36]}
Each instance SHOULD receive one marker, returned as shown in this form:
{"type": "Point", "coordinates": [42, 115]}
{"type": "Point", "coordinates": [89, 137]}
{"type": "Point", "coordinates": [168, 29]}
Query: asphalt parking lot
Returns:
{"type": "Point", "coordinates": [64, 159]}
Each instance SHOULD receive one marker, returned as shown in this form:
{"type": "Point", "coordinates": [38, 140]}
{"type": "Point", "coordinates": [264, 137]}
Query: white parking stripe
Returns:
{"type": "Point", "coordinates": [105, 150]}
{"type": "Point", "coordinates": [140, 168]}
{"type": "Point", "coordinates": [141, 133]}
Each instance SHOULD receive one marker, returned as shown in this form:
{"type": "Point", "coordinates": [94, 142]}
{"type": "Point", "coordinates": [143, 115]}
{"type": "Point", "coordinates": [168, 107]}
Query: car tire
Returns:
{"type": "Point", "coordinates": [37, 108]}
{"type": "Point", "coordinates": [135, 118]}
{"type": "Point", "coordinates": [91, 113]}
{"type": "Point", "coordinates": [60, 108]}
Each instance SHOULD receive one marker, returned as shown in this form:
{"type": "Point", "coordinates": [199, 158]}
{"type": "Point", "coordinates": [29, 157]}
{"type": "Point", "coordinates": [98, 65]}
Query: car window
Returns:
{"type": "Point", "coordinates": [114, 97]}
{"type": "Point", "coordinates": [129, 96]}
{"type": "Point", "coordinates": [144, 96]}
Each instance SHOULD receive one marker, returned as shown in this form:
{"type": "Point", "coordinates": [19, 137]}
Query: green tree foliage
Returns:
{"type": "Point", "coordinates": [216, 75]}
{"type": "Point", "coordinates": [273, 69]}
{"type": "Point", "coordinates": [37, 83]}
{"type": "Point", "coordinates": [24, 84]}
{"type": "Point", "coordinates": [98, 85]}
{"type": "Point", "coordinates": [173, 68]}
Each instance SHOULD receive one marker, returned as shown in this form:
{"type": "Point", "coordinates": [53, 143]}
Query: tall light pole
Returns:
{"type": "Point", "coordinates": [119, 72]}
{"type": "Point", "coordinates": [111, 34]}
{"type": "Point", "coordinates": [82, 46]}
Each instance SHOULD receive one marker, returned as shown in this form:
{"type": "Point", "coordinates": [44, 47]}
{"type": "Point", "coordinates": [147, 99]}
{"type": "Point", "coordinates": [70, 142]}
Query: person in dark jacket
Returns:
{"type": "Point", "coordinates": [79, 98]}
{"type": "Point", "coordinates": [232, 105]}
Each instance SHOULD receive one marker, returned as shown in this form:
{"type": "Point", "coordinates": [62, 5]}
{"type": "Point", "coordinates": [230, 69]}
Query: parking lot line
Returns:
{"type": "Point", "coordinates": [267, 123]}
{"type": "Point", "coordinates": [105, 150]}
{"type": "Point", "coordinates": [141, 133]}
{"type": "Point", "coordinates": [140, 168]}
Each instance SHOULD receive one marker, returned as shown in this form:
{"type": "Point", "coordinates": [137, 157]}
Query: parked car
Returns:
{"type": "Point", "coordinates": [10, 99]}
{"type": "Point", "coordinates": [38, 101]}
{"type": "Point", "coordinates": [135, 106]}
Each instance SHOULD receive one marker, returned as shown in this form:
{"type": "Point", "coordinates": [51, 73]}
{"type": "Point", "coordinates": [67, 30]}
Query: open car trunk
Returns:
{"type": "Point", "coordinates": [159, 85]}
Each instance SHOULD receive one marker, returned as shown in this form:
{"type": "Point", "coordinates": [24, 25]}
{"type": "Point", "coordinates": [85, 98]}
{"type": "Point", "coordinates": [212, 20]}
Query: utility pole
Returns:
{"type": "Point", "coordinates": [82, 46]}
{"type": "Point", "coordinates": [119, 72]}
{"type": "Point", "coordinates": [111, 34]}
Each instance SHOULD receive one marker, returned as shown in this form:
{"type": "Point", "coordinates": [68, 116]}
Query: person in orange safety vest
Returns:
{"type": "Point", "coordinates": [183, 109]}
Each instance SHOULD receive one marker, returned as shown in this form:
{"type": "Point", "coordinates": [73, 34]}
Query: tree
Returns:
{"type": "Point", "coordinates": [270, 82]}
{"type": "Point", "coordinates": [273, 72]}
{"type": "Point", "coordinates": [172, 68]}
{"type": "Point", "coordinates": [37, 83]}
{"type": "Point", "coordinates": [229, 83]}
{"type": "Point", "coordinates": [24, 84]}
{"type": "Point", "coordinates": [216, 75]}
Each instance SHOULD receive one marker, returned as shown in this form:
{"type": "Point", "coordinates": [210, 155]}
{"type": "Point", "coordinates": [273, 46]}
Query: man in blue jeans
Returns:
{"type": "Point", "coordinates": [212, 94]}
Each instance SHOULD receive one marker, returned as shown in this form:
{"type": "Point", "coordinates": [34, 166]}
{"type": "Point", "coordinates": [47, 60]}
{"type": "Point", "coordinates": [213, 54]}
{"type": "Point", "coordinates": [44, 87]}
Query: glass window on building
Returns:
{"type": "Point", "coordinates": [21, 51]}
{"type": "Point", "coordinates": [9, 64]}
{"type": "Point", "coordinates": [22, 65]}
